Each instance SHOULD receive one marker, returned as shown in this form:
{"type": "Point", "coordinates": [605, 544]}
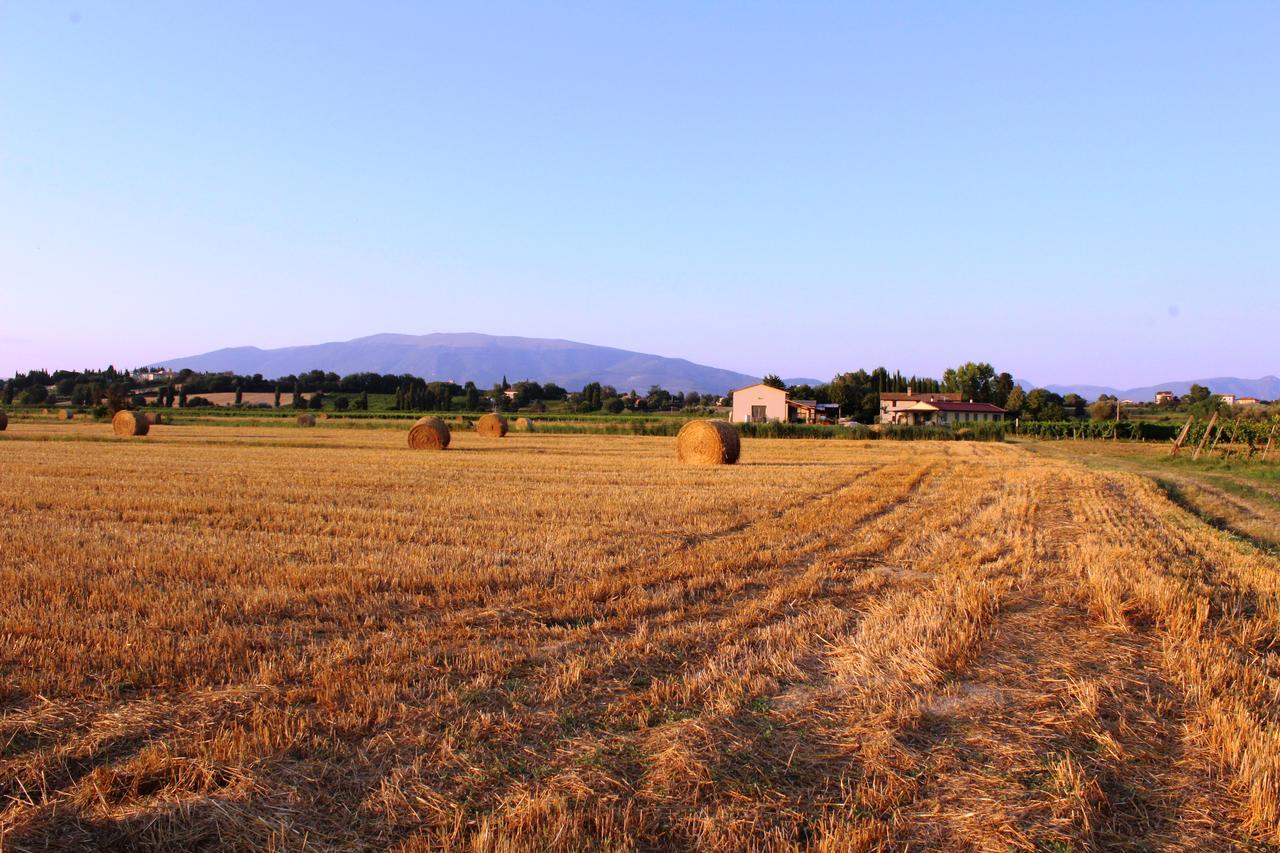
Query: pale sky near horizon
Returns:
{"type": "Point", "coordinates": [1075, 192]}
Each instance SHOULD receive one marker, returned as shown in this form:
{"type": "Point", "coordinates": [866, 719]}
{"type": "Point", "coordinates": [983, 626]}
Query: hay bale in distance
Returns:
{"type": "Point", "coordinates": [155, 418]}
{"type": "Point", "coordinates": [306, 420]}
{"type": "Point", "coordinates": [708, 443]}
{"type": "Point", "coordinates": [65, 414]}
{"type": "Point", "coordinates": [492, 425]}
{"type": "Point", "coordinates": [429, 434]}
{"type": "Point", "coordinates": [126, 422]}
{"type": "Point", "coordinates": [524, 424]}
{"type": "Point", "coordinates": [4, 421]}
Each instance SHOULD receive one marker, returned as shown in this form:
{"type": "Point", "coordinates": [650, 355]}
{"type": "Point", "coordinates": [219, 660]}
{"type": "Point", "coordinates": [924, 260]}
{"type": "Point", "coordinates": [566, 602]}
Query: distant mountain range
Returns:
{"type": "Point", "coordinates": [1266, 388]}
{"type": "Point", "coordinates": [483, 359]}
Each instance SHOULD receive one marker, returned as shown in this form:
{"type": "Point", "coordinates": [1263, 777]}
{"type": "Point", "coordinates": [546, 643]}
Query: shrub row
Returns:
{"type": "Point", "coordinates": [1132, 430]}
{"type": "Point", "coordinates": [974, 432]}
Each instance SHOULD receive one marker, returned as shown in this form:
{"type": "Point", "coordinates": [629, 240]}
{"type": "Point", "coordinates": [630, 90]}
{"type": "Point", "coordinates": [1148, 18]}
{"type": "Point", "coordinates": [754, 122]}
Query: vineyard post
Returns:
{"type": "Point", "coordinates": [1235, 428]}
{"type": "Point", "coordinates": [1182, 436]}
{"type": "Point", "coordinates": [1208, 427]}
{"type": "Point", "coordinates": [1217, 436]}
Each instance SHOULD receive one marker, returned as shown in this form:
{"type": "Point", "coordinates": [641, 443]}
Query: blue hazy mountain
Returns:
{"type": "Point", "coordinates": [1265, 388]}
{"type": "Point", "coordinates": [484, 359]}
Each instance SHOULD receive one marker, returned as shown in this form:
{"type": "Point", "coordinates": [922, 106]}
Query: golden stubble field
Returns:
{"type": "Point", "coordinates": [290, 639]}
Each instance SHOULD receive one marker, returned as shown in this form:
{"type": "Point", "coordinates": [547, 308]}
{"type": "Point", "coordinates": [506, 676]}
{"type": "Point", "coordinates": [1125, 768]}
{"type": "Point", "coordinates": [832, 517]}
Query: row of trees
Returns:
{"type": "Point", "coordinates": [311, 390]}
{"type": "Point", "coordinates": [858, 392]}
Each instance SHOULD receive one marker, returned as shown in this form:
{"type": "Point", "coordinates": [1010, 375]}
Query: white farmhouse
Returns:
{"type": "Point", "coordinates": [762, 403]}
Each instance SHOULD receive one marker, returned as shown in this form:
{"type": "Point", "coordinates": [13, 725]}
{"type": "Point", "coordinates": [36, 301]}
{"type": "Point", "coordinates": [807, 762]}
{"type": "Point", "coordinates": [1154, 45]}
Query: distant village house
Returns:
{"type": "Point", "coordinates": [1165, 398]}
{"type": "Point", "coordinates": [162, 374]}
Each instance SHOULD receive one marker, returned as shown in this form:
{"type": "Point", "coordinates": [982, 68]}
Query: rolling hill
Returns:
{"type": "Point", "coordinates": [484, 359]}
{"type": "Point", "coordinates": [1264, 388]}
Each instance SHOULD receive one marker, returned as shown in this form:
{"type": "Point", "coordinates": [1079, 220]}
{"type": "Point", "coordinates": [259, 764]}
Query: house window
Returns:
{"type": "Point", "coordinates": [757, 413]}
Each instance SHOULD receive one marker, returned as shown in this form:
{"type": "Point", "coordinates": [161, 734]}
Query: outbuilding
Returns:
{"type": "Point", "coordinates": [762, 403]}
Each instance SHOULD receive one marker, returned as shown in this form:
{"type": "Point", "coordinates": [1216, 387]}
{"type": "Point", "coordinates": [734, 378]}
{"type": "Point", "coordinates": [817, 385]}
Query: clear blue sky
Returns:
{"type": "Point", "coordinates": [1076, 192]}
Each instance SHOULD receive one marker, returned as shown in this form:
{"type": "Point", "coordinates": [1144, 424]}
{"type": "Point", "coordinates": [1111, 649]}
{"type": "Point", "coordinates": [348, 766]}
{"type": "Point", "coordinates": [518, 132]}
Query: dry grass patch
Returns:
{"type": "Point", "coordinates": [228, 638]}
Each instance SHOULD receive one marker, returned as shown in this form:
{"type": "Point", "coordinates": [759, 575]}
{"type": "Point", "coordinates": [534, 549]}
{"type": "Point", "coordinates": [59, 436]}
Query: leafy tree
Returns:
{"type": "Point", "coordinates": [341, 404]}
{"type": "Point", "coordinates": [182, 398]}
{"type": "Point", "coordinates": [1001, 389]}
{"type": "Point", "coordinates": [1074, 404]}
{"type": "Point", "coordinates": [856, 395]}
{"type": "Point", "coordinates": [8, 393]}
{"type": "Point", "coordinates": [473, 397]}
{"type": "Point", "coordinates": [298, 402]}
{"type": "Point", "coordinates": [614, 405]}
{"type": "Point", "coordinates": [773, 381]}
{"type": "Point", "coordinates": [1044, 405]}
{"type": "Point", "coordinates": [117, 398]}
{"type": "Point", "coordinates": [1103, 409]}
{"type": "Point", "coordinates": [34, 395]}
{"type": "Point", "coordinates": [552, 391]}
{"type": "Point", "coordinates": [363, 403]}
{"type": "Point", "coordinates": [1015, 402]}
{"type": "Point", "coordinates": [973, 381]}
{"type": "Point", "coordinates": [277, 401]}
{"type": "Point", "coordinates": [1204, 408]}
{"type": "Point", "coordinates": [239, 394]}
{"type": "Point", "coordinates": [657, 399]}
{"type": "Point", "coordinates": [1197, 394]}
{"type": "Point", "coordinates": [317, 401]}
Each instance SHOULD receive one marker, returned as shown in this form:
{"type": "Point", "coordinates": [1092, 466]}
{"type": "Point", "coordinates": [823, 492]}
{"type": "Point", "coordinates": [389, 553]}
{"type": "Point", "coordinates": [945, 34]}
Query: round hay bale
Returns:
{"type": "Point", "coordinates": [492, 425]}
{"type": "Point", "coordinates": [322, 416]}
{"type": "Point", "coordinates": [306, 420]}
{"type": "Point", "coordinates": [45, 412]}
{"type": "Point", "coordinates": [429, 434]}
{"type": "Point", "coordinates": [4, 421]}
{"type": "Point", "coordinates": [155, 418]}
{"type": "Point", "coordinates": [524, 424]}
{"type": "Point", "coordinates": [126, 422]}
{"type": "Point", "coordinates": [708, 443]}
{"type": "Point", "coordinates": [64, 414]}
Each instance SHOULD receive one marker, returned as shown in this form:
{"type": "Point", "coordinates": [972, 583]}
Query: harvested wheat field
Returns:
{"type": "Point", "coordinates": [321, 639]}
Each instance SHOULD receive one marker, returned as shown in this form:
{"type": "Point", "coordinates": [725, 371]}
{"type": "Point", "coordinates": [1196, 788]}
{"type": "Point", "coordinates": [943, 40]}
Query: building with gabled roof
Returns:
{"type": "Point", "coordinates": [948, 413]}
{"type": "Point", "coordinates": [762, 403]}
